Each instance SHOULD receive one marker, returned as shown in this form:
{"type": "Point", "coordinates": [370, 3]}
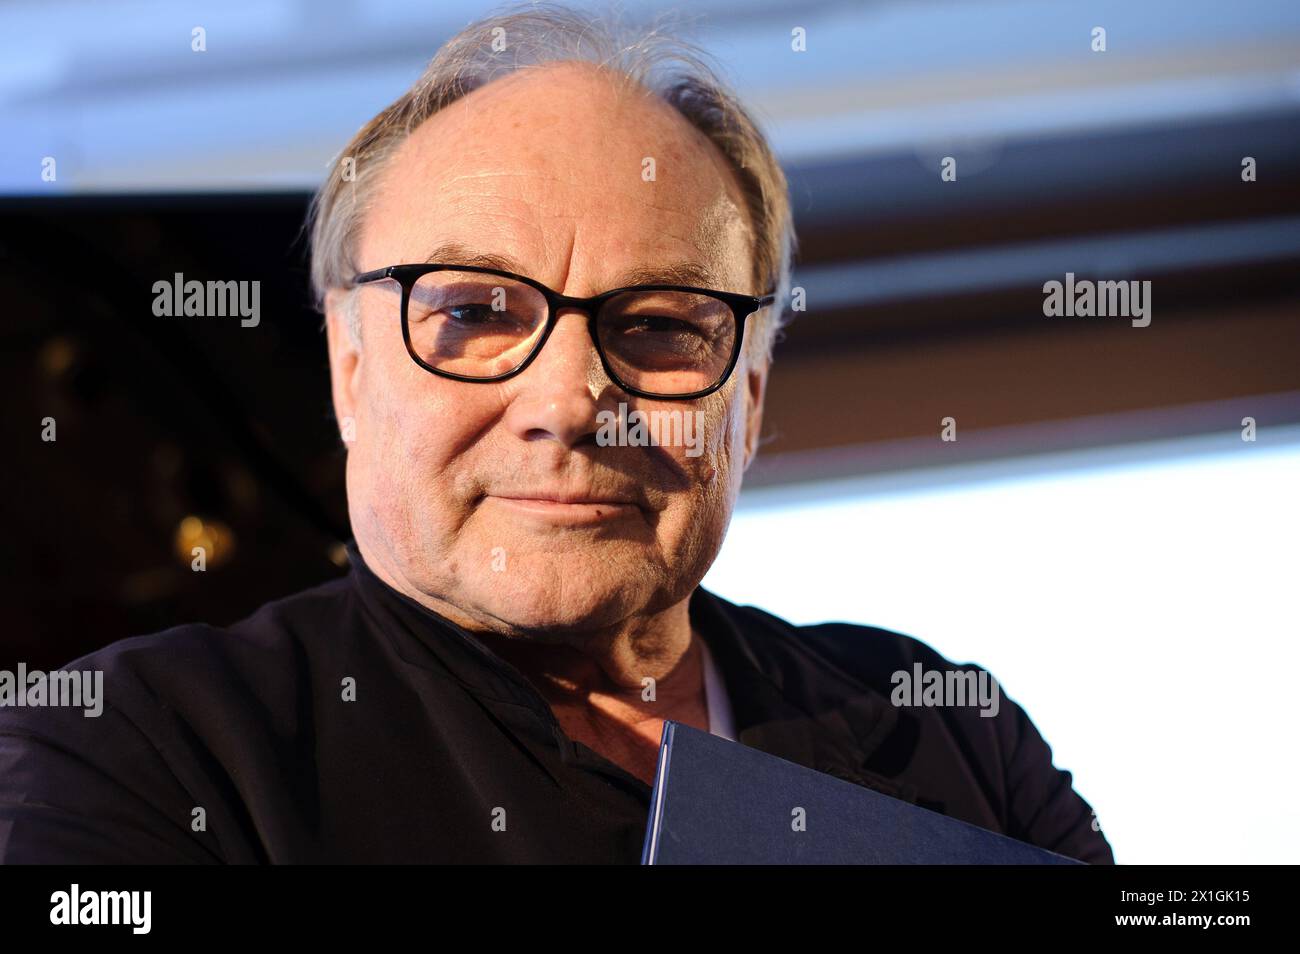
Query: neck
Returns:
{"type": "Point", "coordinates": [613, 661]}
{"type": "Point", "coordinates": [609, 687]}
{"type": "Point", "coordinates": [629, 676]}
{"type": "Point", "coordinates": [609, 698]}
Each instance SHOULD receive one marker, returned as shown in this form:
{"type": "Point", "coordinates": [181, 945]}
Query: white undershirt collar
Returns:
{"type": "Point", "coordinates": [715, 693]}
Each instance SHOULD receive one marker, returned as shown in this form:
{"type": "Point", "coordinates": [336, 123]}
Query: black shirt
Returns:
{"type": "Point", "coordinates": [440, 743]}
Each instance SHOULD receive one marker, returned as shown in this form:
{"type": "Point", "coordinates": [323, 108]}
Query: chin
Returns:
{"type": "Point", "coordinates": [560, 595]}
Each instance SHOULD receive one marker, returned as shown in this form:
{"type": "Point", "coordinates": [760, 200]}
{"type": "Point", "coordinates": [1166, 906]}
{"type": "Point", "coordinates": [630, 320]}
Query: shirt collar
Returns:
{"type": "Point", "coordinates": [429, 640]}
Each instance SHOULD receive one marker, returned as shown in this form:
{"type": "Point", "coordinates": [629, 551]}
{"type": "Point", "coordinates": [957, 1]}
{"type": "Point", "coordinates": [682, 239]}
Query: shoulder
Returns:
{"type": "Point", "coordinates": [869, 654]}
{"type": "Point", "coordinates": [159, 725]}
{"type": "Point", "coordinates": [936, 697]}
{"type": "Point", "coordinates": [191, 676]}
{"type": "Point", "coordinates": [955, 723]}
{"type": "Point", "coordinates": [194, 665]}
{"type": "Point", "coordinates": [960, 700]}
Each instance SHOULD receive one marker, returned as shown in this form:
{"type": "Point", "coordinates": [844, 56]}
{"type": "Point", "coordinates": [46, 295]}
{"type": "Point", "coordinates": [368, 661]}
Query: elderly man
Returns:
{"type": "Point", "coordinates": [552, 230]}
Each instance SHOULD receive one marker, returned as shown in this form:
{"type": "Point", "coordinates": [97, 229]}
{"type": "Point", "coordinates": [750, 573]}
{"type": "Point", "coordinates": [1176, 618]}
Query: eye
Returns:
{"type": "Point", "coordinates": [473, 314]}
{"type": "Point", "coordinates": [657, 324]}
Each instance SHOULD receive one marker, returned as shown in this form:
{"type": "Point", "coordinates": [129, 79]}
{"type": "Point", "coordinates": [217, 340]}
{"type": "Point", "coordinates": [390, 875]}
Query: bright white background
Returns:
{"type": "Point", "coordinates": [1141, 604]}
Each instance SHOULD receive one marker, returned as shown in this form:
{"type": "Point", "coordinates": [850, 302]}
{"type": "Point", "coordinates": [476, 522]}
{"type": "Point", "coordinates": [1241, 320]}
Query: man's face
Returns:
{"type": "Point", "coordinates": [452, 485]}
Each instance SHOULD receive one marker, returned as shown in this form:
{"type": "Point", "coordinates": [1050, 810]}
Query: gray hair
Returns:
{"type": "Point", "coordinates": [674, 69]}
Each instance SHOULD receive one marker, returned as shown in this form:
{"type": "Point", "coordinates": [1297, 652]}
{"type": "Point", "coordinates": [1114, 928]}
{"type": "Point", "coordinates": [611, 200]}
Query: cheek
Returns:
{"type": "Point", "coordinates": [377, 475]}
{"type": "Point", "coordinates": [716, 475]}
{"type": "Point", "coordinates": [410, 432]}
{"type": "Point", "coordinates": [725, 430]}
{"type": "Point", "coordinates": [438, 448]}
{"type": "Point", "coordinates": [407, 409]}
{"type": "Point", "coordinates": [694, 535]}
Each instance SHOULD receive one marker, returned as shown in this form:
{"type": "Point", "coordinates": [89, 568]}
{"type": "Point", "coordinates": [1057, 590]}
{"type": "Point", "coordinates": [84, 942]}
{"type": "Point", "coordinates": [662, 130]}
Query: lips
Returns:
{"type": "Point", "coordinates": [568, 506]}
{"type": "Point", "coordinates": [569, 497]}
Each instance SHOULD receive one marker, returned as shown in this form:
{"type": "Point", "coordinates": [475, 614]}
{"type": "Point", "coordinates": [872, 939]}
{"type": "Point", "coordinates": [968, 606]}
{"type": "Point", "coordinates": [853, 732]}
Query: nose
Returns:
{"type": "Point", "coordinates": [557, 396]}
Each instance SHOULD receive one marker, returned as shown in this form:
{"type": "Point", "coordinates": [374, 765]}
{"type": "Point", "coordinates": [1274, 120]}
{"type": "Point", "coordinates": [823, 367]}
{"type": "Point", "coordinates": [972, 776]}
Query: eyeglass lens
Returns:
{"type": "Point", "coordinates": [481, 325]}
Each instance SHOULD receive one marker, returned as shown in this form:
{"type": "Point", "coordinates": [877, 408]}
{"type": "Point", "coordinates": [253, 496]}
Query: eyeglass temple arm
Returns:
{"type": "Point", "coordinates": [372, 276]}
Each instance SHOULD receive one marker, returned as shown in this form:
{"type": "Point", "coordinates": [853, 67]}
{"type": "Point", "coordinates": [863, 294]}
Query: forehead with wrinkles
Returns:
{"type": "Point", "coordinates": [549, 166]}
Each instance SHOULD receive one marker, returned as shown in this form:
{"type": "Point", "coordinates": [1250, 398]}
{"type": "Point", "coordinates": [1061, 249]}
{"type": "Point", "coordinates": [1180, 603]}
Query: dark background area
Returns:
{"type": "Point", "coordinates": [159, 419]}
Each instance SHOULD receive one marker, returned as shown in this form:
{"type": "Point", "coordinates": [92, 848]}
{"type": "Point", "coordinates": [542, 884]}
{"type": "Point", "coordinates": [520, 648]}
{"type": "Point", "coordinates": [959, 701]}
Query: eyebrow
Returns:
{"type": "Point", "coordinates": [453, 253]}
{"type": "Point", "coordinates": [679, 273]}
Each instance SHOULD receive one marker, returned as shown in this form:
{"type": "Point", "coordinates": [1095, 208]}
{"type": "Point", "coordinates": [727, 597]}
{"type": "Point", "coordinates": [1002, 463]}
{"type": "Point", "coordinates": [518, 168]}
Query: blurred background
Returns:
{"type": "Point", "coordinates": [1099, 536]}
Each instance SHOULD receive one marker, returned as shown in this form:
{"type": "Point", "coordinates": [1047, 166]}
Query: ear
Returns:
{"type": "Point", "coordinates": [755, 390]}
{"type": "Point", "coordinates": [345, 362]}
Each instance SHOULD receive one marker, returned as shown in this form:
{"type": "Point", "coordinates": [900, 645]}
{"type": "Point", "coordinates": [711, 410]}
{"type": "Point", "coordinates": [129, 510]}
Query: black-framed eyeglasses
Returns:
{"type": "Point", "coordinates": [469, 323]}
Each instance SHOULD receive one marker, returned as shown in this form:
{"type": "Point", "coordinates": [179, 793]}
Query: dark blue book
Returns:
{"type": "Point", "coordinates": [720, 802]}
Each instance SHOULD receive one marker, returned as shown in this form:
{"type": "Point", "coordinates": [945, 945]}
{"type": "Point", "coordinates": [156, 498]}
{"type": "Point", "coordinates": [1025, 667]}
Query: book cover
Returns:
{"type": "Point", "coordinates": [720, 802]}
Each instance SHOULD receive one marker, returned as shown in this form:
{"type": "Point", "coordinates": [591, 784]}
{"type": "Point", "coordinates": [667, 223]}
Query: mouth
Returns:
{"type": "Point", "coordinates": [567, 509]}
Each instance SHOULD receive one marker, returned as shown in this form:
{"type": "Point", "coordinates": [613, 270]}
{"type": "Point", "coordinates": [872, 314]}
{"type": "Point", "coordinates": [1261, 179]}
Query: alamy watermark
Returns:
{"type": "Point", "coordinates": [82, 689]}
{"type": "Point", "coordinates": [130, 908]}
{"type": "Point", "coordinates": [946, 687]}
{"type": "Point", "coordinates": [1085, 298]}
{"type": "Point", "coordinates": [675, 428]}
{"type": "Point", "coordinates": [180, 298]}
